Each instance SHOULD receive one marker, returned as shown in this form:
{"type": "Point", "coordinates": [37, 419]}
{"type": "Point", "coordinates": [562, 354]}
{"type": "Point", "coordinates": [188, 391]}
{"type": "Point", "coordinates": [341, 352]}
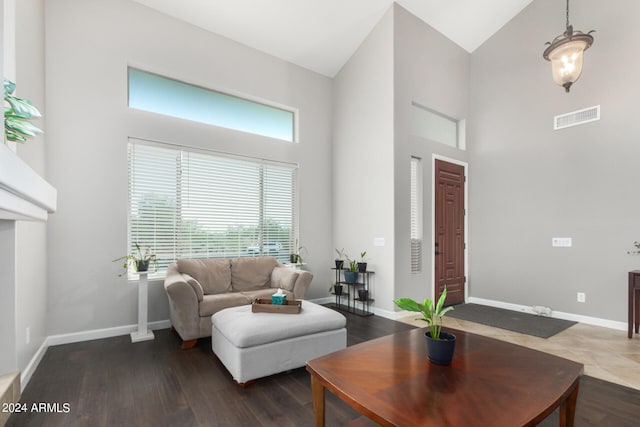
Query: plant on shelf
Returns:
{"type": "Point", "coordinates": [635, 251]}
{"type": "Point", "coordinates": [17, 115]}
{"type": "Point", "coordinates": [336, 288]}
{"type": "Point", "coordinates": [141, 260]}
{"type": "Point", "coordinates": [351, 275]}
{"type": "Point", "coordinates": [340, 259]}
{"type": "Point", "coordinates": [430, 314]}
{"type": "Point", "coordinates": [362, 264]}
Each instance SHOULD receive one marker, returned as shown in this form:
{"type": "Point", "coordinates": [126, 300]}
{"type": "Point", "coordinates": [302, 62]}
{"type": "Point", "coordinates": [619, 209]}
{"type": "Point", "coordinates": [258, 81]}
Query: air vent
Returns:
{"type": "Point", "coordinates": [576, 118]}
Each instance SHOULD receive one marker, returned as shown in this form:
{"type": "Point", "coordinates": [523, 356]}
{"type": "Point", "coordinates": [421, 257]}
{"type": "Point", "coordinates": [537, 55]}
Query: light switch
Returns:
{"type": "Point", "coordinates": [378, 241]}
{"type": "Point", "coordinates": [561, 242]}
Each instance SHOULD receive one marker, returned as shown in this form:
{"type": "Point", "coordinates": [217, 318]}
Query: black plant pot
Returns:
{"type": "Point", "coordinates": [142, 265]}
{"type": "Point", "coordinates": [362, 267]}
{"type": "Point", "coordinates": [351, 276]}
{"type": "Point", "coordinates": [339, 264]}
{"type": "Point", "coordinates": [441, 351]}
{"type": "Point", "coordinates": [363, 294]}
{"type": "Point", "coordinates": [337, 289]}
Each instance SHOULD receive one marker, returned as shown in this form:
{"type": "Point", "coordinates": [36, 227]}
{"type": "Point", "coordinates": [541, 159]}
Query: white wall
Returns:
{"type": "Point", "coordinates": [530, 183]}
{"type": "Point", "coordinates": [89, 46]}
{"type": "Point", "coordinates": [434, 72]}
{"type": "Point", "coordinates": [31, 237]}
{"type": "Point", "coordinates": [363, 157]}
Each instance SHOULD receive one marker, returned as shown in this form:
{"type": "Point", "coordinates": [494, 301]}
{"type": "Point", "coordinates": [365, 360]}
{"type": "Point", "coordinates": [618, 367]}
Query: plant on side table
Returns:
{"type": "Point", "coordinates": [440, 345]}
{"type": "Point", "coordinates": [139, 259]}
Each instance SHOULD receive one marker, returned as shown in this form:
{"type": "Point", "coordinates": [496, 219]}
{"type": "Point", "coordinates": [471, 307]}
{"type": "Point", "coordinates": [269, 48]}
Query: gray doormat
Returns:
{"type": "Point", "coordinates": [524, 323]}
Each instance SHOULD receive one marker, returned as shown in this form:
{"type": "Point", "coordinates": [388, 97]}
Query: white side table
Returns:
{"type": "Point", "coordinates": [143, 333]}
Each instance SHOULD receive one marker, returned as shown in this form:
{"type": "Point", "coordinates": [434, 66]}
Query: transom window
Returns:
{"type": "Point", "coordinates": [162, 95]}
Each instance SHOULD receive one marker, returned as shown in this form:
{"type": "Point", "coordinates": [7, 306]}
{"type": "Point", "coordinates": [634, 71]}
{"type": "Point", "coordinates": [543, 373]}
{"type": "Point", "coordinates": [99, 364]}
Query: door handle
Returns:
{"type": "Point", "coordinates": [436, 252]}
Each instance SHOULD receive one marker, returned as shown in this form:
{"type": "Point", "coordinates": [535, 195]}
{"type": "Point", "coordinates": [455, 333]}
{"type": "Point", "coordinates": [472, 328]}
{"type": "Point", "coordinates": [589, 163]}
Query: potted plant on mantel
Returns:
{"type": "Point", "coordinates": [17, 116]}
{"type": "Point", "coordinates": [139, 259]}
{"type": "Point", "coordinates": [440, 345]}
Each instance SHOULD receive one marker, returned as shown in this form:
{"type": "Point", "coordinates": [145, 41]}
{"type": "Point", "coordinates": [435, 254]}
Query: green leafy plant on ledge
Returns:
{"type": "Point", "coordinates": [635, 251]}
{"type": "Point", "coordinates": [433, 316]}
{"type": "Point", "coordinates": [139, 259]}
{"type": "Point", "coordinates": [18, 113]}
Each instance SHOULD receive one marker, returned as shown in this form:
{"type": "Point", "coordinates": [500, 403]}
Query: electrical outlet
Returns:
{"type": "Point", "coordinates": [582, 297]}
{"type": "Point", "coordinates": [28, 335]}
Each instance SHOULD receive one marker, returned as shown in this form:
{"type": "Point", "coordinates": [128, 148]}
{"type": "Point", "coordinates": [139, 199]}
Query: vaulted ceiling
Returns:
{"type": "Point", "coordinates": [321, 35]}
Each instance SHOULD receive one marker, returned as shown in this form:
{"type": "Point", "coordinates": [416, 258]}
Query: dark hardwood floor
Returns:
{"type": "Point", "coordinates": [112, 382]}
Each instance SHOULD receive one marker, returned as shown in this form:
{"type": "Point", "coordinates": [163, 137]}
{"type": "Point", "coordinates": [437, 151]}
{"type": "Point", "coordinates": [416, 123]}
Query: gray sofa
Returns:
{"type": "Point", "coordinates": [198, 288]}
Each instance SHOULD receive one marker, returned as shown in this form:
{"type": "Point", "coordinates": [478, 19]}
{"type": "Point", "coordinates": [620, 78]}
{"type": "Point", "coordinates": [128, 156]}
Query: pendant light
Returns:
{"type": "Point", "coordinates": [566, 53]}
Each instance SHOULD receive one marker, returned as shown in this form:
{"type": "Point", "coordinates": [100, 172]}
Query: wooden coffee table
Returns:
{"type": "Point", "coordinates": [489, 382]}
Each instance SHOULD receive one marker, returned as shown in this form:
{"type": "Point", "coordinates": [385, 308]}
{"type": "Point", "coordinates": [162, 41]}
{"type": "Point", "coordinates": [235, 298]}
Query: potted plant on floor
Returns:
{"type": "Point", "coordinates": [440, 345]}
{"type": "Point", "coordinates": [351, 275]}
{"type": "Point", "coordinates": [141, 260]}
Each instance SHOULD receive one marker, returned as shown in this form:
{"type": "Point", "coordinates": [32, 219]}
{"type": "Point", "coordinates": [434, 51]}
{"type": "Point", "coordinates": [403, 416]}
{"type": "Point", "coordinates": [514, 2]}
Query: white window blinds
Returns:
{"type": "Point", "coordinates": [190, 204]}
{"type": "Point", "coordinates": [416, 215]}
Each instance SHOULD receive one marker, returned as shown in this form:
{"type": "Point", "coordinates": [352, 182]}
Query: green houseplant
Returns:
{"type": "Point", "coordinates": [440, 345]}
{"type": "Point", "coordinates": [362, 263]}
{"type": "Point", "coordinates": [17, 115]}
{"type": "Point", "coordinates": [340, 259]}
{"type": "Point", "coordinates": [351, 275]}
{"type": "Point", "coordinates": [635, 251]}
{"type": "Point", "coordinates": [141, 260]}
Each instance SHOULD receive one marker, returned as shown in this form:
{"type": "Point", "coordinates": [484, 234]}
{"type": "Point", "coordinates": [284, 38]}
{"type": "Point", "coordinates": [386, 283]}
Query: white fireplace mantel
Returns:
{"type": "Point", "coordinates": [24, 195]}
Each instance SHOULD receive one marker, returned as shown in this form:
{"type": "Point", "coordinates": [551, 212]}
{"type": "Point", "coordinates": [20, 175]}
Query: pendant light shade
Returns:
{"type": "Point", "coordinates": [566, 53]}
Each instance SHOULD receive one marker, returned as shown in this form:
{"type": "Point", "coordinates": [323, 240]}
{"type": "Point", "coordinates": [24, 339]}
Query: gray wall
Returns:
{"type": "Point", "coordinates": [529, 183]}
{"type": "Point", "coordinates": [433, 71]}
{"type": "Point", "coordinates": [89, 46]}
{"type": "Point", "coordinates": [363, 157]}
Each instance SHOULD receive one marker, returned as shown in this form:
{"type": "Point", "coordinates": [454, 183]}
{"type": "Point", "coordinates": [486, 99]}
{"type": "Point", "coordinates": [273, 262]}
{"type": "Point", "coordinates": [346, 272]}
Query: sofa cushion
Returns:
{"type": "Point", "coordinates": [213, 303]}
{"type": "Point", "coordinates": [248, 274]}
{"type": "Point", "coordinates": [284, 278]}
{"type": "Point", "coordinates": [213, 274]}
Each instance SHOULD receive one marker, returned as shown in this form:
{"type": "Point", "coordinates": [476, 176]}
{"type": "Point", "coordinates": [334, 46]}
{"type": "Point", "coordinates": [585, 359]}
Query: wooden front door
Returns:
{"type": "Point", "coordinates": [449, 231]}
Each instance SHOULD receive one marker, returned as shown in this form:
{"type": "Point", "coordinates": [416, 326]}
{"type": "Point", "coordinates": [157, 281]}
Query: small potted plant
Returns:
{"type": "Point", "coordinates": [295, 257]}
{"type": "Point", "coordinates": [362, 264]}
{"type": "Point", "coordinates": [440, 345]}
{"type": "Point", "coordinates": [351, 275]}
{"type": "Point", "coordinates": [336, 288]}
{"type": "Point", "coordinates": [340, 259]}
{"type": "Point", "coordinates": [635, 251]}
{"type": "Point", "coordinates": [139, 259]}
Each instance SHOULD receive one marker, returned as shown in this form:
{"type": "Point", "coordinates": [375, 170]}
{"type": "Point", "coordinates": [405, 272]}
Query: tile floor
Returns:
{"type": "Point", "coordinates": [606, 353]}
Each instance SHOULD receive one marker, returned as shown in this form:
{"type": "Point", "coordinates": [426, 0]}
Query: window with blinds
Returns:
{"type": "Point", "coordinates": [190, 204]}
{"type": "Point", "coordinates": [416, 215]}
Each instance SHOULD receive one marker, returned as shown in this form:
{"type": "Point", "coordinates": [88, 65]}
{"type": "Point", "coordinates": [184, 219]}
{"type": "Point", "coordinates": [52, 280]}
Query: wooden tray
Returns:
{"type": "Point", "coordinates": [264, 306]}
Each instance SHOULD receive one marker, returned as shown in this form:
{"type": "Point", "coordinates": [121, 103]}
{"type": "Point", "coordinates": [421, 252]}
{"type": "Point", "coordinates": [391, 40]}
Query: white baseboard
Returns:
{"type": "Point", "coordinates": [595, 321]}
{"type": "Point", "coordinates": [94, 334]}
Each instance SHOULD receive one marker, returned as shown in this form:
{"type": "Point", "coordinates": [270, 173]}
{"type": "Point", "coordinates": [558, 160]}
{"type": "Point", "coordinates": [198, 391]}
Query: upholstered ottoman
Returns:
{"type": "Point", "coordinates": [254, 345]}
